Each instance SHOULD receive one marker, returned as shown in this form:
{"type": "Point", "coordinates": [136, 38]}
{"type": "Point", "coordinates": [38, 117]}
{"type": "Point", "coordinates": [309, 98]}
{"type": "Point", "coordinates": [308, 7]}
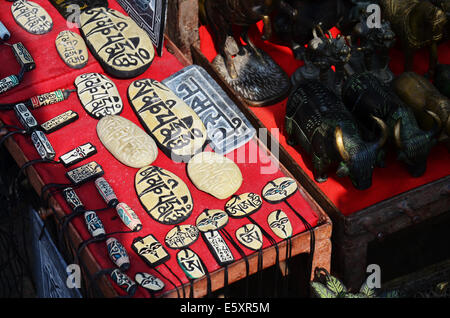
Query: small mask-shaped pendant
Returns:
{"type": "Point", "coordinates": [279, 223]}
{"type": "Point", "coordinates": [211, 220]}
{"type": "Point", "coordinates": [149, 282]}
{"type": "Point", "coordinates": [123, 281]}
{"type": "Point", "coordinates": [279, 189]}
{"type": "Point", "coordinates": [150, 250]}
{"type": "Point", "coordinates": [250, 236]}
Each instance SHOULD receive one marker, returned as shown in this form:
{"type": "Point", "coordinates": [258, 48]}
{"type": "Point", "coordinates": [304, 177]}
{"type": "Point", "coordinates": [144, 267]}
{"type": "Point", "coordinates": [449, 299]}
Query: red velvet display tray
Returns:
{"type": "Point", "coordinates": [387, 182]}
{"type": "Point", "coordinates": [51, 74]}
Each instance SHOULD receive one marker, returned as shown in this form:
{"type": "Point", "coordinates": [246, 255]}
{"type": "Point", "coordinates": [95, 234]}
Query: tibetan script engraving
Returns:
{"type": "Point", "coordinates": [243, 205]}
{"type": "Point", "coordinates": [59, 121]}
{"type": "Point", "coordinates": [72, 49]}
{"type": "Point", "coordinates": [122, 48]}
{"type": "Point", "coordinates": [218, 247]}
{"type": "Point", "coordinates": [226, 125]}
{"type": "Point", "coordinates": [164, 196]}
{"type": "Point", "coordinates": [250, 236]}
{"type": "Point", "coordinates": [85, 173]}
{"type": "Point", "coordinates": [191, 264]}
{"type": "Point", "coordinates": [181, 236]}
{"type": "Point", "coordinates": [31, 16]}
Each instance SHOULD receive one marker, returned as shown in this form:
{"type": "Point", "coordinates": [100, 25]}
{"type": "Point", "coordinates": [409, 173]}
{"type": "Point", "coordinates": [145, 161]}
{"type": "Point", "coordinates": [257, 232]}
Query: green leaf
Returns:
{"type": "Point", "coordinates": [366, 290]}
{"type": "Point", "coordinates": [390, 294]}
{"type": "Point", "coordinates": [335, 285]}
{"type": "Point", "coordinates": [321, 291]}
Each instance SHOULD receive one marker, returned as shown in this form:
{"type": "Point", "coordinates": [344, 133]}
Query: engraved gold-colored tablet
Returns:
{"type": "Point", "coordinates": [214, 174]}
{"type": "Point", "coordinates": [72, 49]}
{"type": "Point", "coordinates": [126, 141]}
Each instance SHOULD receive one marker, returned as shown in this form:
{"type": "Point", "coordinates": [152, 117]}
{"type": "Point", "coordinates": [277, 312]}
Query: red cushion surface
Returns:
{"type": "Point", "coordinates": [387, 182]}
{"type": "Point", "coordinates": [51, 74]}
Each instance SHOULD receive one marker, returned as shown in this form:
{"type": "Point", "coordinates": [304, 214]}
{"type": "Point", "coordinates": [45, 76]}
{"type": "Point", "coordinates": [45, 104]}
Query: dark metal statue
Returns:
{"type": "Point", "coordinates": [249, 70]}
{"type": "Point", "coordinates": [365, 96]}
{"type": "Point", "coordinates": [318, 120]}
{"type": "Point", "coordinates": [417, 24]}
{"type": "Point", "coordinates": [323, 52]}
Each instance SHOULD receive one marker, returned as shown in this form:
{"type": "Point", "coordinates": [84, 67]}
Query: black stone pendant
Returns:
{"type": "Point", "coordinates": [78, 154]}
{"type": "Point", "coordinates": [85, 173]}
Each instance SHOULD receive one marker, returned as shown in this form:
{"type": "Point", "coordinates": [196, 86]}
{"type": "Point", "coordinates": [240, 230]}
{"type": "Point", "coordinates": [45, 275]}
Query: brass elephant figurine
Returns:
{"type": "Point", "coordinates": [417, 24]}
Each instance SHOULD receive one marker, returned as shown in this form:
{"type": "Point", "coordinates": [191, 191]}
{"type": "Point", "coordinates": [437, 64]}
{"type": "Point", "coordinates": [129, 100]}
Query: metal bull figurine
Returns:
{"type": "Point", "coordinates": [318, 120]}
{"type": "Point", "coordinates": [247, 69]}
{"type": "Point", "coordinates": [417, 24]}
{"type": "Point", "coordinates": [365, 96]}
{"type": "Point", "coordinates": [421, 95]}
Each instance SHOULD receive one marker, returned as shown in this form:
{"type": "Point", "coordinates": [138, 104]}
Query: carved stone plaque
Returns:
{"type": "Point", "coordinates": [123, 281]}
{"type": "Point", "coordinates": [218, 247]}
{"type": "Point", "coordinates": [164, 196]}
{"type": "Point", "coordinates": [94, 224]}
{"type": "Point", "coordinates": [226, 125]}
{"type": "Point", "coordinates": [78, 154]}
{"type": "Point", "coordinates": [150, 250]}
{"type": "Point", "coordinates": [85, 173]}
{"type": "Point", "coordinates": [42, 145]}
{"type": "Point", "coordinates": [181, 236]}
{"type": "Point", "coordinates": [243, 205]}
{"type": "Point", "coordinates": [59, 121]}
{"type": "Point", "coordinates": [191, 264]}
{"type": "Point", "coordinates": [121, 47]}
{"type": "Point", "coordinates": [149, 282]}
{"type": "Point", "coordinates": [31, 16]}
{"type": "Point", "coordinates": [72, 49]}
{"type": "Point", "coordinates": [117, 253]}
{"type": "Point", "coordinates": [214, 174]}
{"type": "Point", "coordinates": [279, 223]}
{"type": "Point", "coordinates": [211, 220]}
{"type": "Point", "coordinates": [279, 189]}
{"type": "Point", "coordinates": [250, 236]}
{"type": "Point", "coordinates": [98, 95]}
{"type": "Point", "coordinates": [176, 128]}
{"type": "Point", "coordinates": [126, 141]}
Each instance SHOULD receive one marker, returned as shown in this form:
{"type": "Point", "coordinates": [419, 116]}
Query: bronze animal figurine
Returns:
{"type": "Point", "coordinates": [317, 119]}
{"type": "Point", "coordinates": [417, 24]}
{"type": "Point", "coordinates": [420, 94]}
{"type": "Point", "coordinates": [221, 15]}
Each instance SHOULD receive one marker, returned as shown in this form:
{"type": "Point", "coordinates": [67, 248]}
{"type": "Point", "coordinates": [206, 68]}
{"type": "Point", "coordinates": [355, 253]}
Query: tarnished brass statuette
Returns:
{"type": "Point", "coordinates": [249, 71]}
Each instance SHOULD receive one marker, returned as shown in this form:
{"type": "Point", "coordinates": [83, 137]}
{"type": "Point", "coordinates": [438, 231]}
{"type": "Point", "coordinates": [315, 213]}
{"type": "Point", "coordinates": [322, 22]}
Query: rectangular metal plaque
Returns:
{"type": "Point", "coordinates": [78, 154]}
{"type": "Point", "coordinates": [226, 125]}
{"type": "Point", "coordinates": [150, 15]}
{"type": "Point", "coordinates": [85, 173]}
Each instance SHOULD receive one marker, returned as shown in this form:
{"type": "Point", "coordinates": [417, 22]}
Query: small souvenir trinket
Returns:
{"type": "Point", "coordinates": [123, 281]}
{"type": "Point", "coordinates": [121, 47]}
{"type": "Point", "coordinates": [98, 95]}
{"type": "Point", "coordinates": [279, 190]}
{"type": "Point", "coordinates": [8, 83]}
{"type": "Point", "coordinates": [181, 236]}
{"type": "Point", "coordinates": [50, 98]}
{"type": "Point", "coordinates": [318, 120]}
{"type": "Point", "coordinates": [25, 117]}
{"type": "Point", "coordinates": [149, 282]}
{"type": "Point", "coordinates": [250, 236]}
{"type": "Point", "coordinates": [128, 217]}
{"type": "Point", "coordinates": [23, 57]}
{"type": "Point", "coordinates": [4, 33]}
{"type": "Point", "coordinates": [218, 247]}
{"type": "Point", "coordinates": [73, 200]}
{"type": "Point", "coordinates": [94, 224]}
{"type": "Point", "coordinates": [78, 154]}
{"type": "Point", "coordinates": [118, 254]}
{"type": "Point", "coordinates": [31, 16]}
{"type": "Point", "coordinates": [211, 220]}
{"type": "Point", "coordinates": [72, 49]}
{"type": "Point", "coordinates": [126, 141]}
{"type": "Point", "coordinates": [150, 250]}
{"type": "Point", "coordinates": [85, 173]}
{"type": "Point", "coordinates": [227, 127]}
{"type": "Point", "coordinates": [191, 264]}
{"type": "Point", "coordinates": [107, 192]}
{"type": "Point", "coordinates": [280, 225]}
{"type": "Point", "coordinates": [59, 121]}
{"type": "Point", "coordinates": [243, 205]}
{"type": "Point", "coordinates": [175, 126]}
{"type": "Point", "coordinates": [164, 196]}
{"type": "Point", "coordinates": [214, 174]}
{"type": "Point", "coordinates": [42, 145]}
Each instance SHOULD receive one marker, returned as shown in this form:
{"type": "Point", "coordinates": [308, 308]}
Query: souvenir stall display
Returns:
{"type": "Point", "coordinates": [353, 113]}
{"type": "Point", "coordinates": [158, 183]}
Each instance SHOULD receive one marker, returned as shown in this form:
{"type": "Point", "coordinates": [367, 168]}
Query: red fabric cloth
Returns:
{"type": "Point", "coordinates": [387, 182]}
{"type": "Point", "coordinates": [51, 74]}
